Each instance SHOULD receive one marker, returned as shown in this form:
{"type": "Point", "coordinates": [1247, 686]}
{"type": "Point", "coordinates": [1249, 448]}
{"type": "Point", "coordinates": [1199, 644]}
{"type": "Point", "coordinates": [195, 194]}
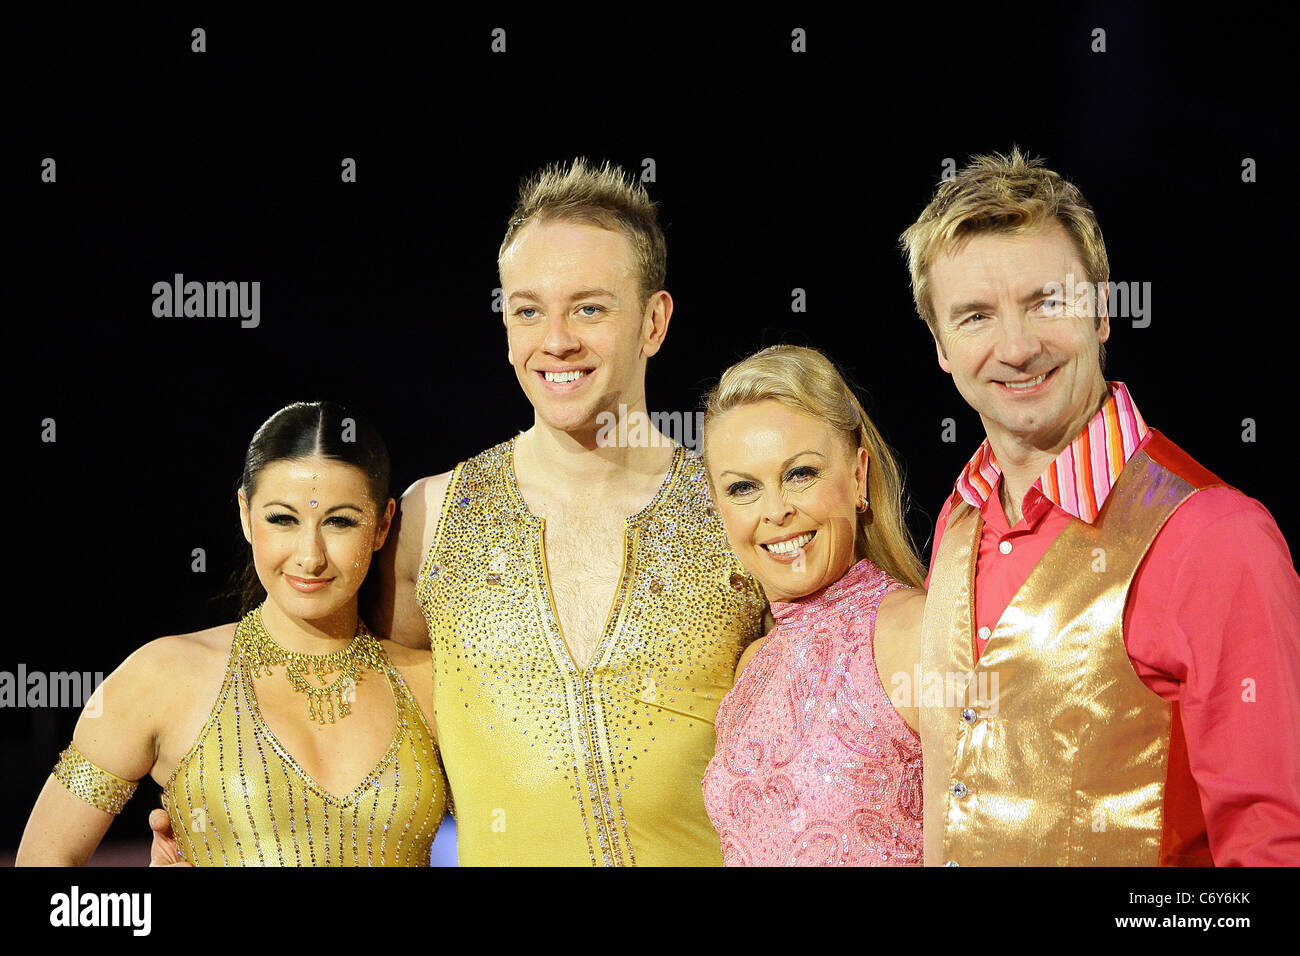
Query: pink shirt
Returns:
{"type": "Point", "coordinates": [1212, 622]}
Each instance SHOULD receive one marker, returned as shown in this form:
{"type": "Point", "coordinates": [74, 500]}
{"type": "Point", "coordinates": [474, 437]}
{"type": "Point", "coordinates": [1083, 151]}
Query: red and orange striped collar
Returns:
{"type": "Point", "coordinates": [1082, 475]}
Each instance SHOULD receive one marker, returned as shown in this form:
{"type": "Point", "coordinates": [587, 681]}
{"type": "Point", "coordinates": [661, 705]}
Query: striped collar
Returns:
{"type": "Point", "coordinates": [1080, 478]}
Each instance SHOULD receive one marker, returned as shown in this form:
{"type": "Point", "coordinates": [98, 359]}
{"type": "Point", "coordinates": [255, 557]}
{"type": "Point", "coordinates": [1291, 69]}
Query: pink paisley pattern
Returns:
{"type": "Point", "coordinates": [814, 766]}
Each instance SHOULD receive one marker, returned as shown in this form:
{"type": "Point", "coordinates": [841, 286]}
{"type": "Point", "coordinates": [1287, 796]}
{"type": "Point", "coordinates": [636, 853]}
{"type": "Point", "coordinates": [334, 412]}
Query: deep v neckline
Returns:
{"type": "Point", "coordinates": [263, 728]}
{"type": "Point", "coordinates": [614, 613]}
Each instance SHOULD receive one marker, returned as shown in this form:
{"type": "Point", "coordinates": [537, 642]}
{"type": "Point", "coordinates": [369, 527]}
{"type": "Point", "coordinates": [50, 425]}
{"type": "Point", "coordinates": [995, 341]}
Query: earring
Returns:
{"type": "Point", "coordinates": [862, 505]}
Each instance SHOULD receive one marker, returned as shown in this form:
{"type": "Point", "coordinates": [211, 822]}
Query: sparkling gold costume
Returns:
{"type": "Point", "coordinates": [238, 798]}
{"type": "Point", "coordinates": [95, 785]}
{"type": "Point", "coordinates": [551, 764]}
{"type": "Point", "coordinates": [1049, 750]}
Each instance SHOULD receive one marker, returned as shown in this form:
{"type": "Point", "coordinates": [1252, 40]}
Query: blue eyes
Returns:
{"type": "Point", "coordinates": [1051, 306]}
{"type": "Point", "coordinates": [585, 311]}
{"type": "Point", "coordinates": [800, 475]}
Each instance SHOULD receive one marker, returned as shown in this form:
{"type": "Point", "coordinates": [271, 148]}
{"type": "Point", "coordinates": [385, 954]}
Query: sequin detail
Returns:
{"type": "Point", "coordinates": [96, 786]}
{"type": "Point", "coordinates": [239, 798]}
{"type": "Point", "coordinates": [552, 764]}
{"type": "Point", "coordinates": [814, 765]}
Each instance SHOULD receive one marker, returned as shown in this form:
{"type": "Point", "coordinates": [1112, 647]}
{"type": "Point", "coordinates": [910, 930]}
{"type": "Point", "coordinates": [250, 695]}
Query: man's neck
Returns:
{"type": "Point", "coordinates": [1023, 460]}
{"type": "Point", "coordinates": [594, 462]}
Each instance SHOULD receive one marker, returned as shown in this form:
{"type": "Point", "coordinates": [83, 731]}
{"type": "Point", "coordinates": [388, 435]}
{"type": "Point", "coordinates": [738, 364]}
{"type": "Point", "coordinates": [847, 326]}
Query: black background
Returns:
{"type": "Point", "coordinates": [774, 170]}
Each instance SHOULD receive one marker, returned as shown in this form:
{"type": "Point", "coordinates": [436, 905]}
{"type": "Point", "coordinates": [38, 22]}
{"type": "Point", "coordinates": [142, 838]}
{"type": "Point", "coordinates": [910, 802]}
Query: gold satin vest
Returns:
{"type": "Point", "coordinates": [553, 765]}
{"type": "Point", "coordinates": [238, 798]}
{"type": "Point", "coordinates": [1049, 750]}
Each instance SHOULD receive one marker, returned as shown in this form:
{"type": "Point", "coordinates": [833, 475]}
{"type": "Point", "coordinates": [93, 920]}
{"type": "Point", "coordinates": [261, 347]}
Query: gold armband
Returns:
{"type": "Point", "coordinates": [97, 787]}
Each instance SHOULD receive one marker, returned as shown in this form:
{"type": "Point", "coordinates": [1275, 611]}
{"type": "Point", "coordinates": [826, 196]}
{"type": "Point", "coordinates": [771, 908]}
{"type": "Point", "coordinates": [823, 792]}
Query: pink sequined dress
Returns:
{"type": "Point", "coordinates": [814, 766]}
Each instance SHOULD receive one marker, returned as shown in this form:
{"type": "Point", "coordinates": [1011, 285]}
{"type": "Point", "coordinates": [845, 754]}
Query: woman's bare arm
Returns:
{"type": "Point", "coordinates": [117, 731]}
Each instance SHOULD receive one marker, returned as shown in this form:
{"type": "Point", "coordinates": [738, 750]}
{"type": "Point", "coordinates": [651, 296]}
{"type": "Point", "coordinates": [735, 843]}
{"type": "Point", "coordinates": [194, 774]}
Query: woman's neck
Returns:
{"type": "Point", "coordinates": [321, 635]}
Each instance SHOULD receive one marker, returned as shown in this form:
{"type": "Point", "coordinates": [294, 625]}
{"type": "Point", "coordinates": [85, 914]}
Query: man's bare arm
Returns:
{"type": "Point", "coordinates": [395, 614]}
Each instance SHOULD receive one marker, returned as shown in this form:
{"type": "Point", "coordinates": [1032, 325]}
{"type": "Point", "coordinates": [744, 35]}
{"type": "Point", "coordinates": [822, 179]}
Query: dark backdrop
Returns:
{"type": "Point", "coordinates": [774, 170]}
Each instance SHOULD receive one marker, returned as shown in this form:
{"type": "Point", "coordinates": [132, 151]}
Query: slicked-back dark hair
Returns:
{"type": "Point", "coordinates": [305, 430]}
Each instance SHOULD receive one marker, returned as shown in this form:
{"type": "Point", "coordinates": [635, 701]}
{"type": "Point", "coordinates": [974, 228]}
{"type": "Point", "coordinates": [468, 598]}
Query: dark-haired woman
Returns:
{"type": "Point", "coordinates": [291, 737]}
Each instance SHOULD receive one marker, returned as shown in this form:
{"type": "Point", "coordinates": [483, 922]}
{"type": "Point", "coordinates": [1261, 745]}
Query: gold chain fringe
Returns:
{"type": "Point", "coordinates": [263, 653]}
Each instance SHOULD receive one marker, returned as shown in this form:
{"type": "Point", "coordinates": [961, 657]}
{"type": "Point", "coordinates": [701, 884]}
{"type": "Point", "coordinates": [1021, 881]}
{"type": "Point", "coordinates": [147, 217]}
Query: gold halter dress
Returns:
{"type": "Point", "coordinates": [239, 798]}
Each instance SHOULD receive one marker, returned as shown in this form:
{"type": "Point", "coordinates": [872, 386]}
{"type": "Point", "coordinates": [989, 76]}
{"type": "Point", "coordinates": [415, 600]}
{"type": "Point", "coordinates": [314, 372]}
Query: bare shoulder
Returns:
{"type": "Point", "coordinates": [898, 647]}
{"type": "Point", "coordinates": [902, 610]}
{"type": "Point", "coordinates": [407, 658]}
{"type": "Point", "coordinates": [418, 512]}
{"type": "Point", "coordinates": [155, 699]}
{"type": "Point", "coordinates": [181, 658]}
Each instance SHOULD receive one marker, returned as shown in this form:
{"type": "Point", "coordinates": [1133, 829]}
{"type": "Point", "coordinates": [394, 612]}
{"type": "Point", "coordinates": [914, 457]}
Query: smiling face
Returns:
{"type": "Point", "coordinates": [312, 560]}
{"type": "Point", "coordinates": [577, 329]}
{"type": "Point", "coordinates": [787, 486]}
{"type": "Point", "coordinates": [1025, 360]}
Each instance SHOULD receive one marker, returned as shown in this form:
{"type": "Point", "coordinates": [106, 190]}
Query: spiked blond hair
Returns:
{"type": "Point", "coordinates": [604, 196]}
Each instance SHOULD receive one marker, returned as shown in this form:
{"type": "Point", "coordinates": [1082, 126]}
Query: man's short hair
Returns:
{"type": "Point", "coordinates": [604, 196]}
{"type": "Point", "coordinates": [996, 193]}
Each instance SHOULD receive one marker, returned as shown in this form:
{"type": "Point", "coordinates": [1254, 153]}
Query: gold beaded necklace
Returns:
{"type": "Point", "coordinates": [262, 653]}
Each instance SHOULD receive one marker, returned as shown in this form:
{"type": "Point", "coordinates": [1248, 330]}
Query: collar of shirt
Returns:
{"type": "Point", "coordinates": [1082, 475]}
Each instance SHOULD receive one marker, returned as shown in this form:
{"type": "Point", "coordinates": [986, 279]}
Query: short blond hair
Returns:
{"type": "Point", "coordinates": [997, 193]}
{"type": "Point", "coordinates": [806, 381]}
{"type": "Point", "coordinates": [604, 196]}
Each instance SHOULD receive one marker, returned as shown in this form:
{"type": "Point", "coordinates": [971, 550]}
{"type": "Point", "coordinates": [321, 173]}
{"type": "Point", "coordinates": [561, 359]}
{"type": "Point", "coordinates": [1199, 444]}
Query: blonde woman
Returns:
{"type": "Point", "coordinates": [815, 765]}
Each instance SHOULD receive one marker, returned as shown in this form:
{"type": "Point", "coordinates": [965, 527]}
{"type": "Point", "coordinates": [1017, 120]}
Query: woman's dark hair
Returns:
{"type": "Point", "coordinates": [303, 430]}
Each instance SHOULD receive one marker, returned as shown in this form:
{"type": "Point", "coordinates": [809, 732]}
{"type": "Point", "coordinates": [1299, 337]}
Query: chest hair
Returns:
{"type": "Point", "coordinates": [584, 557]}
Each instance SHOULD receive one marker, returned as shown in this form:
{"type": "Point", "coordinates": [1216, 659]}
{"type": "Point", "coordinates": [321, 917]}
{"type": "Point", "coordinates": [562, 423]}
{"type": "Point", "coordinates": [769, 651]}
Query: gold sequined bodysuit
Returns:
{"type": "Point", "coordinates": [553, 764]}
{"type": "Point", "coordinates": [238, 798]}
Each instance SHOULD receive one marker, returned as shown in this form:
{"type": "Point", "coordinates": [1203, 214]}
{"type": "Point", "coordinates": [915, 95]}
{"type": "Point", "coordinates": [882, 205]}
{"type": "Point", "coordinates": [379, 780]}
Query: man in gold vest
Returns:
{"type": "Point", "coordinates": [1110, 668]}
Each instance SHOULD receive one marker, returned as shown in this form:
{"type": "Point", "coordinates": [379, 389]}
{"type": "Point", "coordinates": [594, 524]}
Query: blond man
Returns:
{"type": "Point", "coordinates": [1112, 633]}
{"type": "Point", "coordinates": [584, 612]}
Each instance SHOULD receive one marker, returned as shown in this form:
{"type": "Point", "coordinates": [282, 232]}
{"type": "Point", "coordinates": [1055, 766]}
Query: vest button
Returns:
{"type": "Point", "coordinates": [959, 789]}
{"type": "Point", "coordinates": [968, 715]}
{"type": "Point", "coordinates": [984, 633]}
{"type": "Point", "coordinates": [1005, 547]}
